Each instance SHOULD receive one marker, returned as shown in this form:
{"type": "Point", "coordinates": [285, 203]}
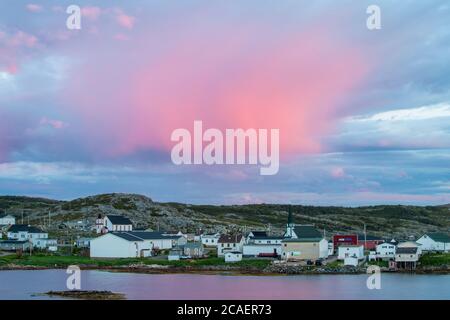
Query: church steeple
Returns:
{"type": "Point", "coordinates": [290, 224]}
{"type": "Point", "coordinates": [290, 217]}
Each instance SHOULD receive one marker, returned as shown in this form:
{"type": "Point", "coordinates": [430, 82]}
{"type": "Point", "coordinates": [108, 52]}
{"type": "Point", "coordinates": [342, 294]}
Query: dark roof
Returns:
{"type": "Point", "coordinates": [259, 233]}
{"type": "Point", "coordinates": [307, 232]}
{"type": "Point", "coordinates": [439, 237]}
{"type": "Point", "coordinates": [119, 219]}
{"type": "Point", "coordinates": [13, 241]}
{"type": "Point", "coordinates": [143, 235]}
{"type": "Point", "coordinates": [406, 250]}
{"type": "Point", "coordinates": [268, 238]}
{"type": "Point", "coordinates": [24, 228]}
{"type": "Point", "coordinates": [230, 239]}
{"type": "Point", "coordinates": [127, 236]}
{"type": "Point", "coordinates": [302, 240]}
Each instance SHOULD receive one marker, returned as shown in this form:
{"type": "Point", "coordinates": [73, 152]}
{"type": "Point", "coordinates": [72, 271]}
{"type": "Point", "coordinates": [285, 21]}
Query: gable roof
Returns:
{"type": "Point", "coordinates": [406, 250]}
{"type": "Point", "coordinates": [6, 216]}
{"type": "Point", "coordinates": [143, 235]}
{"type": "Point", "coordinates": [24, 228]}
{"type": "Point", "coordinates": [193, 245]}
{"type": "Point", "coordinates": [439, 237]}
{"type": "Point", "coordinates": [307, 232]}
{"type": "Point", "coordinates": [118, 219]}
{"type": "Point", "coordinates": [230, 239]}
{"type": "Point", "coordinates": [258, 234]}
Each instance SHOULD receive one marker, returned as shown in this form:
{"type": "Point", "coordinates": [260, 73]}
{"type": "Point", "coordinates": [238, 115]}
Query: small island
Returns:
{"type": "Point", "coordinates": [87, 294]}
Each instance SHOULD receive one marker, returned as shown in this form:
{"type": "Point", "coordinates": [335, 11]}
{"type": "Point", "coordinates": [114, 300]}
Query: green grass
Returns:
{"type": "Point", "coordinates": [43, 260]}
{"type": "Point", "coordinates": [435, 259]}
{"type": "Point", "coordinates": [378, 263]}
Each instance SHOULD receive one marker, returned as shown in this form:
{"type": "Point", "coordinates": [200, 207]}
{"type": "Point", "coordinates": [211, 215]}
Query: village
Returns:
{"type": "Point", "coordinates": [300, 244]}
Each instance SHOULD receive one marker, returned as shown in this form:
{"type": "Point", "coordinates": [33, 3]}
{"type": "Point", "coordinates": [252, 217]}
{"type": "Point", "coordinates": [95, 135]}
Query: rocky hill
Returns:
{"type": "Point", "coordinates": [388, 221]}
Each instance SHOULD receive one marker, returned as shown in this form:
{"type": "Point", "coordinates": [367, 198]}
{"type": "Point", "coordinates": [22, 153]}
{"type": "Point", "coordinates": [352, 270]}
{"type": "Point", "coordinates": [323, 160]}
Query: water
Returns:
{"type": "Point", "coordinates": [25, 284]}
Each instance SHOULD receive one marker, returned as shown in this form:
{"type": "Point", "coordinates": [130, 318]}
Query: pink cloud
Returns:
{"type": "Point", "coordinates": [227, 76]}
{"type": "Point", "coordinates": [56, 124]}
{"type": "Point", "coordinates": [21, 38]}
{"type": "Point", "coordinates": [14, 48]}
{"type": "Point", "coordinates": [125, 20]}
{"type": "Point", "coordinates": [91, 13]}
{"type": "Point", "coordinates": [337, 172]}
{"type": "Point", "coordinates": [34, 7]}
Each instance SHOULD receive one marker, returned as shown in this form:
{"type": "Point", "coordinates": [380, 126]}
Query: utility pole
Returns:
{"type": "Point", "coordinates": [365, 237]}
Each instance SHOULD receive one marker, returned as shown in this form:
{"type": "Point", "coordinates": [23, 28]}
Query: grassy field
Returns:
{"type": "Point", "coordinates": [64, 261]}
{"type": "Point", "coordinates": [435, 259]}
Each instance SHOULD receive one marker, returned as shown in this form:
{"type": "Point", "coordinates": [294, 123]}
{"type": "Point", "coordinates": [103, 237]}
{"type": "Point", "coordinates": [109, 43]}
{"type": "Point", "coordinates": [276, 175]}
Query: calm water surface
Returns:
{"type": "Point", "coordinates": [26, 284]}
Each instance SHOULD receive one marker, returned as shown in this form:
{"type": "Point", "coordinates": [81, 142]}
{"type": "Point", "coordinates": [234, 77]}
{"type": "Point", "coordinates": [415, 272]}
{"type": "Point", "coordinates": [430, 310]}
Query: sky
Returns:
{"type": "Point", "coordinates": [364, 115]}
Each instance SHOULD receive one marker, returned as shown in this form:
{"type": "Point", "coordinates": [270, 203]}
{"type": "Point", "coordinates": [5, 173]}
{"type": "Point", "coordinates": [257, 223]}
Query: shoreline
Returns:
{"type": "Point", "coordinates": [229, 271]}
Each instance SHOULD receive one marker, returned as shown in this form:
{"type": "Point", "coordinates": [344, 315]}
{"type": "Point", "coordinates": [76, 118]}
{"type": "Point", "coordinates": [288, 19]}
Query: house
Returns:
{"type": "Point", "coordinates": [227, 243]}
{"type": "Point", "coordinates": [120, 245]}
{"type": "Point", "coordinates": [25, 232]}
{"type": "Point", "coordinates": [259, 244]}
{"type": "Point", "coordinates": [407, 258]}
{"type": "Point", "coordinates": [83, 242]}
{"type": "Point", "coordinates": [411, 244]}
{"type": "Point", "coordinates": [45, 244]}
{"type": "Point", "coordinates": [193, 250]}
{"type": "Point", "coordinates": [14, 245]}
{"type": "Point", "coordinates": [175, 254]}
{"type": "Point", "coordinates": [385, 251]}
{"type": "Point", "coordinates": [233, 256]}
{"type": "Point", "coordinates": [330, 248]}
{"type": "Point", "coordinates": [369, 242]}
{"type": "Point", "coordinates": [305, 243]}
{"type": "Point", "coordinates": [351, 261]}
{"type": "Point", "coordinates": [113, 223]}
{"type": "Point", "coordinates": [346, 251]}
{"type": "Point", "coordinates": [132, 244]}
{"type": "Point", "coordinates": [7, 220]}
{"type": "Point", "coordinates": [344, 240]}
{"type": "Point", "coordinates": [435, 242]}
{"type": "Point", "coordinates": [253, 234]}
{"type": "Point", "coordinates": [210, 239]}
{"type": "Point", "coordinates": [407, 255]}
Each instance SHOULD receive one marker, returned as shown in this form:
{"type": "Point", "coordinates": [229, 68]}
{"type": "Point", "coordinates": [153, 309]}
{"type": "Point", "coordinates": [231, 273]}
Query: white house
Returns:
{"type": "Point", "coordinates": [438, 242]}
{"type": "Point", "coordinates": [228, 243]}
{"type": "Point", "coordinates": [120, 245]}
{"type": "Point", "coordinates": [233, 256]}
{"type": "Point", "coordinates": [351, 261]}
{"type": "Point", "coordinates": [132, 244]}
{"type": "Point", "coordinates": [113, 223]}
{"type": "Point", "coordinates": [174, 255]}
{"type": "Point", "coordinates": [259, 243]}
{"type": "Point", "coordinates": [346, 251]}
{"type": "Point", "coordinates": [385, 251]}
{"type": "Point", "coordinates": [25, 232]}
{"type": "Point", "coordinates": [45, 243]}
{"type": "Point", "coordinates": [7, 220]}
{"type": "Point", "coordinates": [83, 242]}
{"type": "Point", "coordinates": [210, 239]}
{"type": "Point", "coordinates": [407, 255]}
{"type": "Point", "coordinates": [330, 248]}
{"type": "Point", "coordinates": [411, 244]}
